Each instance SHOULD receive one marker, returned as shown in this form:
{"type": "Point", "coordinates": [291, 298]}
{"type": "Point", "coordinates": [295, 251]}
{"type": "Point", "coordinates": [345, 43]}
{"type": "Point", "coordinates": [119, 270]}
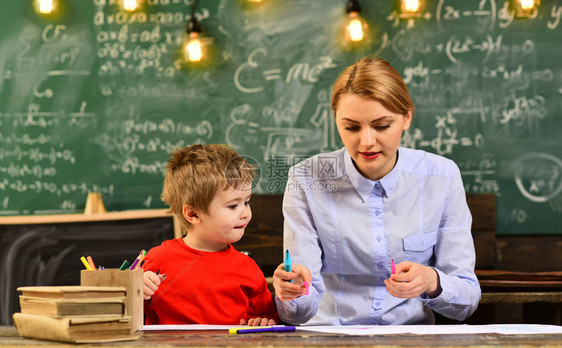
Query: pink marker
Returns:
{"type": "Point", "coordinates": [392, 267]}
{"type": "Point", "coordinates": [305, 284]}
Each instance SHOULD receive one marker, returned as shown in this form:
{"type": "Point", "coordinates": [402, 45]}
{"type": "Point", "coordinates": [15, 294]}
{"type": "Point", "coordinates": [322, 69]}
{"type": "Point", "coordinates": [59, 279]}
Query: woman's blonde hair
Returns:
{"type": "Point", "coordinates": [196, 173]}
{"type": "Point", "coordinates": [374, 79]}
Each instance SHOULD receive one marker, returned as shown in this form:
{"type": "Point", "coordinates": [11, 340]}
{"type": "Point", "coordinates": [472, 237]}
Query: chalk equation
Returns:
{"type": "Point", "coordinates": [253, 70]}
{"type": "Point", "coordinates": [538, 176]}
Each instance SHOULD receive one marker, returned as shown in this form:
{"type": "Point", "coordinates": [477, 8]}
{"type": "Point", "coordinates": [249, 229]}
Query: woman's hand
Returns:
{"type": "Point", "coordinates": [412, 279]}
{"type": "Point", "coordinates": [151, 281]}
{"type": "Point", "coordinates": [258, 322]}
{"type": "Point", "coordinates": [287, 291]}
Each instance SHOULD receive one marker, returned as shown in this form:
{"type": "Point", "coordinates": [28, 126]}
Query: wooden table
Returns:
{"type": "Point", "coordinates": [9, 337]}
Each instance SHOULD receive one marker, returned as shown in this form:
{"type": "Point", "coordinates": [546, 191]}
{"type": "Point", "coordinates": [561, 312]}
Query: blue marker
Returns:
{"type": "Point", "coordinates": [288, 263]}
{"type": "Point", "coordinates": [263, 329]}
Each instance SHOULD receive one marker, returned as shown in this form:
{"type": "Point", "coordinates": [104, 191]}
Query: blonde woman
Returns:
{"type": "Point", "coordinates": [350, 214]}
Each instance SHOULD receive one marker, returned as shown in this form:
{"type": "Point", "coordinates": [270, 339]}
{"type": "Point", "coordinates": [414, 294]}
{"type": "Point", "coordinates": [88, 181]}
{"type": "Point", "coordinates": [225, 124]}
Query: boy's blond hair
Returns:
{"type": "Point", "coordinates": [196, 173]}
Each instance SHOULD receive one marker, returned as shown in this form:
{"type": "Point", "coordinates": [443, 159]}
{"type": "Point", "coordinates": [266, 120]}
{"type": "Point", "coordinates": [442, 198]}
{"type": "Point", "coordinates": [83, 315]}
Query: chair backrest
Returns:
{"type": "Point", "coordinates": [483, 209]}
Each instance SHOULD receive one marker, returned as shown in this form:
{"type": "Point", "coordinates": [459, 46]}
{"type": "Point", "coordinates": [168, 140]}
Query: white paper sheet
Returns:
{"type": "Point", "coordinates": [526, 329]}
{"type": "Point", "coordinates": [505, 329]}
{"type": "Point", "coordinates": [367, 330]}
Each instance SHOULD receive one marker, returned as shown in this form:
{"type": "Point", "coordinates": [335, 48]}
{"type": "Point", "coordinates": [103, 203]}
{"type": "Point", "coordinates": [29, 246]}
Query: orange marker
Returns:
{"type": "Point", "coordinates": [91, 262]}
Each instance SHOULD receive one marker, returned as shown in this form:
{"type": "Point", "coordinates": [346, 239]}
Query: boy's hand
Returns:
{"type": "Point", "coordinates": [151, 282]}
{"type": "Point", "coordinates": [287, 291]}
{"type": "Point", "coordinates": [258, 322]}
{"type": "Point", "coordinates": [412, 279]}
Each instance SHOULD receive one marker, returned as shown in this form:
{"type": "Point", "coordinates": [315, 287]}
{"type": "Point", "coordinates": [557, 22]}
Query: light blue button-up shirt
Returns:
{"type": "Point", "coordinates": [346, 229]}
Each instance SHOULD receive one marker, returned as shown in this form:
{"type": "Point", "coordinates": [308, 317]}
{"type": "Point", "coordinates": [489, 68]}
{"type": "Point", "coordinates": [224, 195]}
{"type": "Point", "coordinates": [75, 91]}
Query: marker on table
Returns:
{"type": "Point", "coordinates": [392, 267]}
{"type": "Point", "coordinates": [86, 264]}
{"type": "Point", "coordinates": [263, 329]}
{"type": "Point", "coordinates": [288, 263]}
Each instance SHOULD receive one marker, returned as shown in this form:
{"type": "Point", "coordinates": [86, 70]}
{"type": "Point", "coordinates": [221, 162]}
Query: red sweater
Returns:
{"type": "Point", "coordinates": [205, 287]}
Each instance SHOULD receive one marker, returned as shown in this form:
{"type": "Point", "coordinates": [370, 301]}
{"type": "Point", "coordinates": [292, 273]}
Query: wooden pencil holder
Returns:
{"type": "Point", "coordinates": [131, 280]}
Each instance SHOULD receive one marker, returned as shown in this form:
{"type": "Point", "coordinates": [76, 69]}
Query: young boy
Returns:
{"type": "Point", "coordinates": [201, 278]}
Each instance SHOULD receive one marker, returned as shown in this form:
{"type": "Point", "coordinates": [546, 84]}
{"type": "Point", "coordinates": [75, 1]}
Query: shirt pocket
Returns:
{"type": "Point", "coordinates": [419, 248]}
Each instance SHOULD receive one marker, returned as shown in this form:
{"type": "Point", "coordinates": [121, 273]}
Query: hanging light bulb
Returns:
{"type": "Point", "coordinates": [412, 8]}
{"type": "Point", "coordinates": [527, 4]}
{"type": "Point", "coordinates": [410, 5]}
{"type": "Point", "coordinates": [526, 8]}
{"type": "Point", "coordinates": [193, 50]}
{"type": "Point", "coordinates": [45, 7]}
{"type": "Point", "coordinates": [129, 5]}
{"type": "Point", "coordinates": [356, 27]}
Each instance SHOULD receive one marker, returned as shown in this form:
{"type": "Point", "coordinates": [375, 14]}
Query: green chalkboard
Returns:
{"type": "Point", "coordinates": [95, 98]}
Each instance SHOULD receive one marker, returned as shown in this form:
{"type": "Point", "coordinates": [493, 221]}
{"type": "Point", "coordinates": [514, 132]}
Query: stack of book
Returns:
{"type": "Point", "coordinates": [77, 314]}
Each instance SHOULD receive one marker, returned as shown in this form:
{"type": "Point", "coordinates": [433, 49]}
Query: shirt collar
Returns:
{"type": "Point", "coordinates": [362, 185]}
{"type": "Point", "coordinates": [365, 186]}
{"type": "Point", "coordinates": [390, 180]}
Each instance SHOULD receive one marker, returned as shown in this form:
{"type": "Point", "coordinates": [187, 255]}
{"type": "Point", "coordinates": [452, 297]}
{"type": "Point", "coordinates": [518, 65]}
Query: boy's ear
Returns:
{"type": "Point", "coordinates": [190, 214]}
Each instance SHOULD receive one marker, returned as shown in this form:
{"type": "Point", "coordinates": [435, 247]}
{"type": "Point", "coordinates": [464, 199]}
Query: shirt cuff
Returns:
{"type": "Point", "coordinates": [447, 294]}
{"type": "Point", "coordinates": [287, 310]}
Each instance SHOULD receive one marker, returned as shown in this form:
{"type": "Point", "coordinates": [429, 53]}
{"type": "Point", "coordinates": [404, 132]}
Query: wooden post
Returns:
{"type": "Point", "coordinates": [94, 204]}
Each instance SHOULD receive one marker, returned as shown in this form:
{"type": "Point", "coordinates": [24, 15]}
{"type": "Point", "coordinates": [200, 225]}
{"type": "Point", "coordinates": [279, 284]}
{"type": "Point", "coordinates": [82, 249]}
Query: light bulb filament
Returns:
{"type": "Point", "coordinates": [527, 4]}
{"type": "Point", "coordinates": [46, 6]}
{"type": "Point", "coordinates": [411, 5]}
{"type": "Point", "coordinates": [355, 27]}
{"type": "Point", "coordinates": [193, 49]}
{"type": "Point", "coordinates": [355, 30]}
{"type": "Point", "coordinates": [129, 5]}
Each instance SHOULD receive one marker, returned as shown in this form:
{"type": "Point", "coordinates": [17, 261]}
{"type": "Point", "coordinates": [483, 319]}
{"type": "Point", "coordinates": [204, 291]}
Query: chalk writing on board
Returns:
{"type": "Point", "coordinates": [482, 172]}
{"type": "Point", "coordinates": [446, 139]}
{"type": "Point", "coordinates": [485, 14]}
{"type": "Point", "coordinates": [97, 101]}
{"type": "Point", "coordinates": [290, 141]}
{"type": "Point", "coordinates": [246, 128]}
{"type": "Point", "coordinates": [396, 18]}
{"type": "Point", "coordinates": [37, 186]}
{"type": "Point", "coordinates": [524, 111]}
{"type": "Point", "coordinates": [251, 69]}
{"type": "Point", "coordinates": [538, 176]}
{"type": "Point", "coordinates": [454, 48]}
{"type": "Point", "coordinates": [556, 14]}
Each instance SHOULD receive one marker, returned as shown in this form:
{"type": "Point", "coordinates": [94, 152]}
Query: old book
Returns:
{"type": "Point", "coordinates": [72, 291]}
{"type": "Point", "coordinates": [75, 329]}
{"type": "Point", "coordinates": [73, 307]}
